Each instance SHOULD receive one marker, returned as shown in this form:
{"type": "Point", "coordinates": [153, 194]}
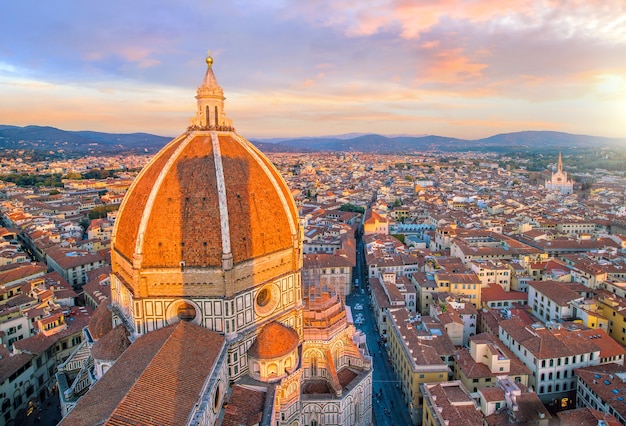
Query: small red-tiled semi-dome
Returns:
{"type": "Point", "coordinates": [274, 341]}
{"type": "Point", "coordinates": [111, 345]}
{"type": "Point", "coordinates": [101, 322]}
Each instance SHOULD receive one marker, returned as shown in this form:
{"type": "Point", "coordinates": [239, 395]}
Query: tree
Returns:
{"type": "Point", "coordinates": [85, 222]}
{"type": "Point", "coordinates": [351, 208]}
{"type": "Point", "coordinates": [101, 211]}
{"type": "Point", "coordinates": [73, 175]}
{"type": "Point", "coordinates": [400, 237]}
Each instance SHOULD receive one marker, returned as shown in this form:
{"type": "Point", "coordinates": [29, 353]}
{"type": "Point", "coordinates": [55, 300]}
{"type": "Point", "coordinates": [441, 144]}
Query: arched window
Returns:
{"type": "Point", "coordinates": [216, 122]}
{"type": "Point", "coordinates": [272, 370]}
{"type": "Point", "coordinates": [313, 367]}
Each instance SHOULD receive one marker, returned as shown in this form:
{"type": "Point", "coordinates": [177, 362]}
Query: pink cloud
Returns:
{"type": "Point", "coordinates": [430, 44]}
{"type": "Point", "coordinates": [452, 66]}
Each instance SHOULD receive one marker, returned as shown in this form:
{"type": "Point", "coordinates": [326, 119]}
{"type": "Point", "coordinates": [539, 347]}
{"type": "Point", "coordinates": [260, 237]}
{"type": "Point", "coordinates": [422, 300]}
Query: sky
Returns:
{"type": "Point", "coordinates": [289, 68]}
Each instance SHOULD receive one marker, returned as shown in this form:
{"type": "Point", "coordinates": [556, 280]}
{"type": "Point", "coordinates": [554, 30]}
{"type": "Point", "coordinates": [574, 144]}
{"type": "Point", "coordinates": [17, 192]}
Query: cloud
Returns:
{"type": "Point", "coordinates": [322, 63]}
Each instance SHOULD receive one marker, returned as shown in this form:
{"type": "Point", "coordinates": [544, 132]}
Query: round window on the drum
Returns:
{"type": "Point", "coordinates": [186, 312]}
{"type": "Point", "coordinates": [264, 297]}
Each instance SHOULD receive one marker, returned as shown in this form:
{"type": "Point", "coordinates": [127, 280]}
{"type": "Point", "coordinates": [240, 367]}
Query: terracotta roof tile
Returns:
{"type": "Point", "coordinates": [156, 381]}
{"type": "Point", "coordinates": [11, 363]}
{"type": "Point", "coordinates": [555, 291]}
{"type": "Point", "coordinates": [586, 416]}
{"type": "Point", "coordinates": [245, 407]}
{"type": "Point", "coordinates": [606, 381]}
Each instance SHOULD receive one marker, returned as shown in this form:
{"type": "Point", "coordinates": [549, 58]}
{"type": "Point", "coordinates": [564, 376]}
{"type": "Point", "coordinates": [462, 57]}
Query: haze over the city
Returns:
{"type": "Point", "coordinates": [450, 67]}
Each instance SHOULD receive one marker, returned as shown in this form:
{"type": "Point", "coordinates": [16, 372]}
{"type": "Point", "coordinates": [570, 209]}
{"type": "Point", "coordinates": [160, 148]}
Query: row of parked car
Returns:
{"type": "Point", "coordinates": [358, 318]}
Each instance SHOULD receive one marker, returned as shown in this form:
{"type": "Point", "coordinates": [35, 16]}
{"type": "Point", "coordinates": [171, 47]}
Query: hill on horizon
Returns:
{"type": "Point", "coordinates": [52, 141]}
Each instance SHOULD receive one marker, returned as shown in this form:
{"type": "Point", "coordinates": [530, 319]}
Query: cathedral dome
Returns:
{"type": "Point", "coordinates": [208, 199]}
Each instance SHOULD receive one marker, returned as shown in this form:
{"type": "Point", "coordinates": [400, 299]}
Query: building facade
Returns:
{"type": "Point", "coordinates": [559, 181]}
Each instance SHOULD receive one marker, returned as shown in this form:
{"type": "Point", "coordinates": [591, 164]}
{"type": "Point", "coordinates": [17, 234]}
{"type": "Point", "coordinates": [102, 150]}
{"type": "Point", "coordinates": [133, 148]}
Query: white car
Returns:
{"type": "Point", "coordinates": [358, 307]}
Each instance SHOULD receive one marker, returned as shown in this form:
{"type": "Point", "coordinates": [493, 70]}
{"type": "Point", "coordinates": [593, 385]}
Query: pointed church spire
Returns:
{"type": "Point", "coordinates": [210, 96]}
{"type": "Point", "coordinates": [559, 167]}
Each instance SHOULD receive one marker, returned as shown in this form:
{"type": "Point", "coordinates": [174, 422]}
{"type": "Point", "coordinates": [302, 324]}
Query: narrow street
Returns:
{"type": "Point", "coordinates": [47, 413]}
{"type": "Point", "coordinates": [389, 409]}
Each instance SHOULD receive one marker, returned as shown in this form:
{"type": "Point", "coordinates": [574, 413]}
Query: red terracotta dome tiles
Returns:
{"type": "Point", "coordinates": [185, 222]}
{"type": "Point", "coordinates": [259, 224]}
{"type": "Point", "coordinates": [127, 224]}
{"type": "Point", "coordinates": [281, 183]}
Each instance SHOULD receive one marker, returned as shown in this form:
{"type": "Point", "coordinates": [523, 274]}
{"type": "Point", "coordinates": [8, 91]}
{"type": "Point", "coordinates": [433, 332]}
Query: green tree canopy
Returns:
{"type": "Point", "coordinates": [352, 208]}
{"type": "Point", "coordinates": [101, 211]}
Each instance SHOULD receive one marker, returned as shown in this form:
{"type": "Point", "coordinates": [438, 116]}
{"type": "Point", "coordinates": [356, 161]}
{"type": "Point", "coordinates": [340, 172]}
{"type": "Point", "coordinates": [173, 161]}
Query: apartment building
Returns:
{"type": "Point", "coordinates": [552, 300]}
{"type": "Point", "coordinates": [510, 402]}
{"type": "Point", "coordinates": [551, 353]}
{"type": "Point", "coordinates": [492, 272]}
{"type": "Point", "coordinates": [466, 285]}
{"type": "Point", "coordinates": [486, 359]}
{"type": "Point", "coordinates": [425, 286]}
{"type": "Point", "coordinates": [603, 388]}
{"type": "Point", "coordinates": [73, 264]}
{"type": "Point", "coordinates": [614, 309]}
{"type": "Point", "coordinates": [449, 403]}
{"type": "Point", "coordinates": [419, 357]}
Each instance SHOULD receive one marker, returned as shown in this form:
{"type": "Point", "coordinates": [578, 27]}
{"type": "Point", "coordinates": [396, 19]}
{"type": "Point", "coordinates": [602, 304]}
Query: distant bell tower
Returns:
{"type": "Point", "coordinates": [210, 113]}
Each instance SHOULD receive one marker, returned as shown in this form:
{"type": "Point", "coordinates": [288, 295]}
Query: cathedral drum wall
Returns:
{"type": "Point", "coordinates": [199, 282]}
{"type": "Point", "coordinates": [240, 313]}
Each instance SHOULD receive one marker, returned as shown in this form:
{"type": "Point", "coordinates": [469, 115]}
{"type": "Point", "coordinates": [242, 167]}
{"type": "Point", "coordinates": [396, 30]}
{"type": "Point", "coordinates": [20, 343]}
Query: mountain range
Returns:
{"type": "Point", "coordinates": [50, 140]}
{"type": "Point", "coordinates": [548, 141]}
{"type": "Point", "coordinates": [45, 139]}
